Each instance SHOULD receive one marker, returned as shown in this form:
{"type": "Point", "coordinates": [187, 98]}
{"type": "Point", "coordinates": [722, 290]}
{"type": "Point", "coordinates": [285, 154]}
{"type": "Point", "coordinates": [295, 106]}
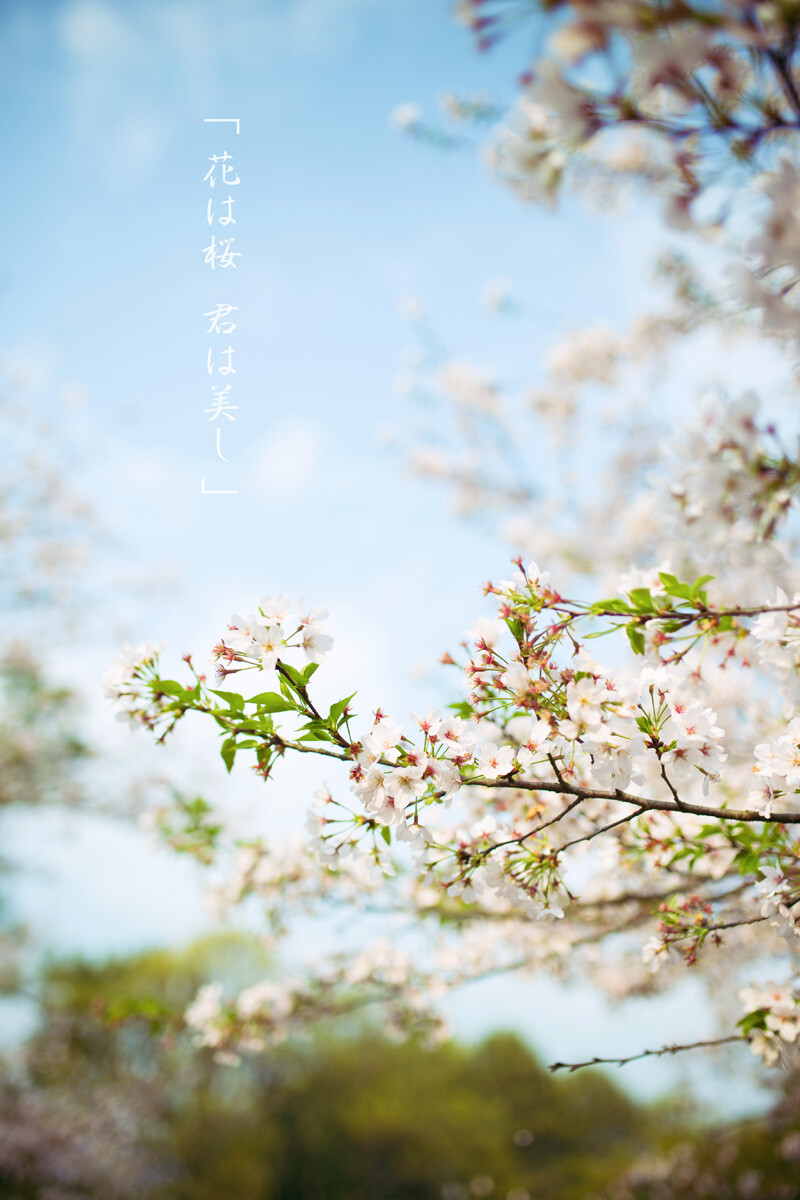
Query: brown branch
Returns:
{"type": "Point", "coordinates": [688, 883]}
{"type": "Point", "coordinates": [302, 692]}
{"type": "Point", "coordinates": [538, 829]}
{"type": "Point", "coordinates": [701, 929]}
{"type": "Point", "coordinates": [573, 789]}
{"type": "Point", "coordinates": [621, 1062]}
{"type": "Point", "coordinates": [783, 70]}
{"type": "Point", "coordinates": [669, 783]}
{"type": "Point", "coordinates": [668, 614]}
{"type": "Point", "coordinates": [305, 748]}
{"type": "Point", "coordinates": [561, 787]}
{"type": "Point", "coordinates": [587, 837]}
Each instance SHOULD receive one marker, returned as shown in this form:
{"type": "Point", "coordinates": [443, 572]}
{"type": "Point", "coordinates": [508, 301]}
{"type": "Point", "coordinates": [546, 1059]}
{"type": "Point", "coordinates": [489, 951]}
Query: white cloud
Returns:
{"type": "Point", "coordinates": [91, 29]}
{"type": "Point", "coordinates": [287, 461]}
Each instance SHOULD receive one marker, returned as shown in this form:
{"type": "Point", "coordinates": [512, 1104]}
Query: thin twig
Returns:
{"type": "Point", "coordinates": [621, 1062]}
{"type": "Point", "coordinates": [669, 784]}
{"type": "Point", "coordinates": [538, 829]}
{"type": "Point", "coordinates": [587, 837]}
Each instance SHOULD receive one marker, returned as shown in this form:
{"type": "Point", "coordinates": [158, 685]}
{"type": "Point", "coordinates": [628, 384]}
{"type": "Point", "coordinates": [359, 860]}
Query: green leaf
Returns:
{"type": "Point", "coordinates": [386, 835]}
{"type": "Point", "coordinates": [673, 586]}
{"type": "Point", "coordinates": [748, 861]}
{"type": "Point", "coordinates": [272, 702]}
{"type": "Point", "coordinates": [198, 807]}
{"type": "Point", "coordinates": [337, 710]}
{"type": "Point", "coordinates": [228, 752]}
{"type": "Point", "coordinates": [315, 731]}
{"type": "Point", "coordinates": [636, 638]}
{"type": "Point", "coordinates": [516, 628]}
{"type": "Point", "coordinates": [699, 584]}
{"type": "Point", "coordinates": [292, 674]}
{"type": "Point", "coordinates": [232, 699]}
{"type": "Point", "coordinates": [753, 1020]}
{"type": "Point", "coordinates": [168, 687]}
{"type": "Point", "coordinates": [642, 599]}
{"type": "Point", "coordinates": [614, 604]}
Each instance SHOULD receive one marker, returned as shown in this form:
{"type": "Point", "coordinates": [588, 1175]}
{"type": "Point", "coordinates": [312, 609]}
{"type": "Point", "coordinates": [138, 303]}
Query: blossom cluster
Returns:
{"type": "Point", "coordinates": [772, 1017]}
{"type": "Point", "coordinates": [491, 809]}
{"type": "Point", "coordinates": [697, 78]}
{"type": "Point", "coordinates": [122, 681]}
{"type": "Point", "coordinates": [260, 638]}
{"type": "Point", "coordinates": [267, 1012]}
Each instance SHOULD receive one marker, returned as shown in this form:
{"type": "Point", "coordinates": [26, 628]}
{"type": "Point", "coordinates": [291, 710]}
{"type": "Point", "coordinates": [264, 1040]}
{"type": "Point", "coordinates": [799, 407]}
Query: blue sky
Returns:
{"type": "Point", "coordinates": [338, 217]}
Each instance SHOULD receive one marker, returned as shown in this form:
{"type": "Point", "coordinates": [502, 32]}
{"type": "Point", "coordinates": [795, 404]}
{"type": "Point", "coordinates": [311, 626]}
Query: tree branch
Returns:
{"type": "Point", "coordinates": [621, 1062]}
{"type": "Point", "coordinates": [583, 793]}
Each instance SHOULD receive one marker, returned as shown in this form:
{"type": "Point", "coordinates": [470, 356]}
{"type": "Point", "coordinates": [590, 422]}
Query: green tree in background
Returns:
{"type": "Point", "coordinates": [103, 1104]}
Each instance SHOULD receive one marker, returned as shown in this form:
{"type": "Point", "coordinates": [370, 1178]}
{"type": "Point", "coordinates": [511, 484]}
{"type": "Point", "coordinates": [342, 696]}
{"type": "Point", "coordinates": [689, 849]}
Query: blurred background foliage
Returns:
{"type": "Point", "coordinates": [41, 748]}
{"type": "Point", "coordinates": [102, 1102]}
{"type": "Point", "coordinates": [100, 1105]}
